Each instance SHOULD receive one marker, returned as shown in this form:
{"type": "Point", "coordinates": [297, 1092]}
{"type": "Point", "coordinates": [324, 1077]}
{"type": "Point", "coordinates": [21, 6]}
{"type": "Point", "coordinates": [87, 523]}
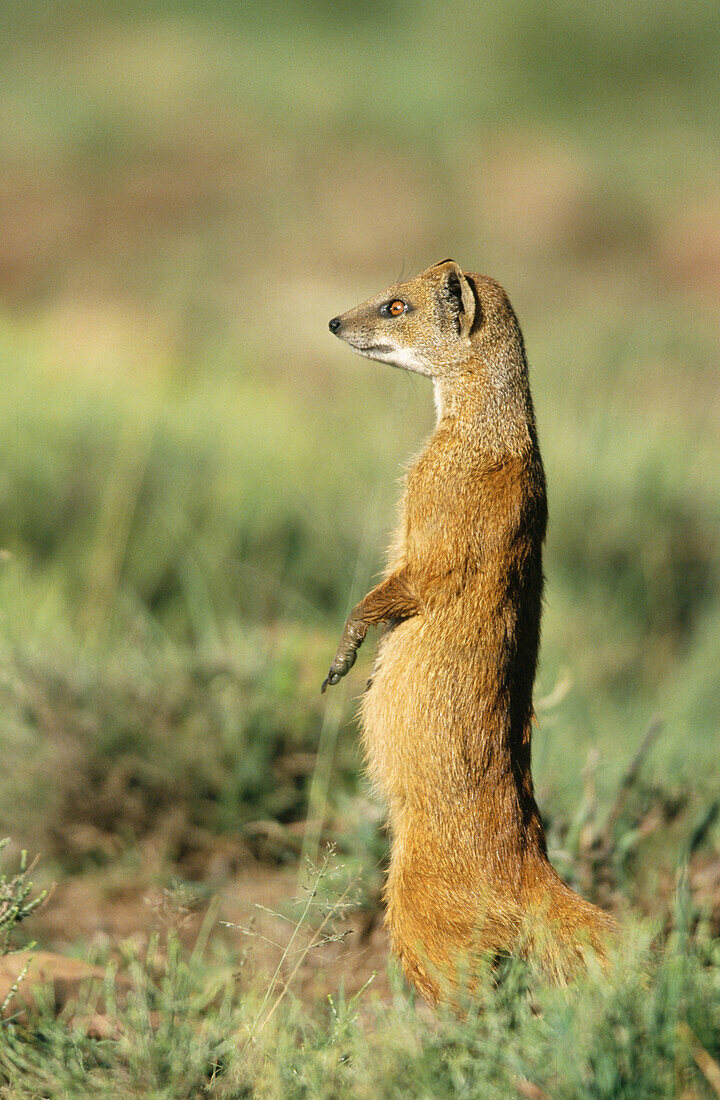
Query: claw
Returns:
{"type": "Point", "coordinates": [337, 672]}
{"type": "Point", "coordinates": [332, 678]}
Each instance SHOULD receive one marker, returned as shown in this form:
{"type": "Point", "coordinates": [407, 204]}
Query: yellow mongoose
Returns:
{"type": "Point", "coordinates": [447, 714]}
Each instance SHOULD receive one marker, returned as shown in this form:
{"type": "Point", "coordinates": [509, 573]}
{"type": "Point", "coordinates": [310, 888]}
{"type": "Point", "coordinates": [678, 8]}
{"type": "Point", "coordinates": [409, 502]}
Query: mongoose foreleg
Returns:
{"type": "Point", "coordinates": [391, 599]}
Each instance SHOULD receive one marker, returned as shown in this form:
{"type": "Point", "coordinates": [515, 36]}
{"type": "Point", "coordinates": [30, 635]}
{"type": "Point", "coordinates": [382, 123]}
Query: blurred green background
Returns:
{"type": "Point", "coordinates": [198, 481]}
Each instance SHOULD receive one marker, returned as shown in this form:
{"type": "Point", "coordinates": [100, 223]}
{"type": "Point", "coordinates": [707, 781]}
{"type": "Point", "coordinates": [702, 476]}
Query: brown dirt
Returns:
{"type": "Point", "coordinates": [28, 978]}
{"type": "Point", "coordinates": [255, 913]}
{"type": "Point", "coordinates": [258, 912]}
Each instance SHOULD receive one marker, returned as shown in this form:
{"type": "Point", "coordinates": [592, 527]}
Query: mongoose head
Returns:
{"type": "Point", "coordinates": [435, 323]}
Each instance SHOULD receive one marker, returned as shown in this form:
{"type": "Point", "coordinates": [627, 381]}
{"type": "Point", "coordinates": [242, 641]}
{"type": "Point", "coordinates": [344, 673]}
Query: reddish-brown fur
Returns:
{"type": "Point", "coordinates": [447, 717]}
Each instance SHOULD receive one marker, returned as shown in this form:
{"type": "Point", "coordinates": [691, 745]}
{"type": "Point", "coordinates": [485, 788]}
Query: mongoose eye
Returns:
{"type": "Point", "coordinates": [394, 308]}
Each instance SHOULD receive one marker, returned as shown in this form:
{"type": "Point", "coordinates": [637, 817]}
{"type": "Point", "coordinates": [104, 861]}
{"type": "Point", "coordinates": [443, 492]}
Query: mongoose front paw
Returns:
{"type": "Point", "coordinates": [339, 667]}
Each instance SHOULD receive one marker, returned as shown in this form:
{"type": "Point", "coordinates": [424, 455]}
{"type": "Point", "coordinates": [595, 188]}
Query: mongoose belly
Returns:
{"type": "Point", "coordinates": [423, 713]}
{"type": "Point", "coordinates": [396, 709]}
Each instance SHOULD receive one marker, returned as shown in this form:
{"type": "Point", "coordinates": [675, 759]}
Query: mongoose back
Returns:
{"type": "Point", "coordinates": [447, 715]}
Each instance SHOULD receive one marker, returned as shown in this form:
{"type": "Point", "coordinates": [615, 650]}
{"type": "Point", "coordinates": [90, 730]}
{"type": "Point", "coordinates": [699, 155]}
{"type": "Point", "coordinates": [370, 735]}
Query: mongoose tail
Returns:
{"type": "Point", "coordinates": [447, 716]}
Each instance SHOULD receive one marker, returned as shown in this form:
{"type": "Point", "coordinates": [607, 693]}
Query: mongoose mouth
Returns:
{"type": "Point", "coordinates": [372, 349]}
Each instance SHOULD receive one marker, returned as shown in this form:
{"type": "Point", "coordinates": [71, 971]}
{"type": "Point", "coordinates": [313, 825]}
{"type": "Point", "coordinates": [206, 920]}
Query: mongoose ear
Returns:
{"type": "Point", "coordinates": [458, 294]}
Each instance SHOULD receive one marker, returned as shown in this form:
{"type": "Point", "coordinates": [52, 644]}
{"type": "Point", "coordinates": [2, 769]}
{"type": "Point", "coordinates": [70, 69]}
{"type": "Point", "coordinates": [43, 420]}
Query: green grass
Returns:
{"type": "Point", "coordinates": [185, 1024]}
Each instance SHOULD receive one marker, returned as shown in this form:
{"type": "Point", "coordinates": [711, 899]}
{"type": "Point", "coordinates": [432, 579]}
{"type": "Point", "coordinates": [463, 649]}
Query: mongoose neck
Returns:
{"type": "Point", "coordinates": [484, 401]}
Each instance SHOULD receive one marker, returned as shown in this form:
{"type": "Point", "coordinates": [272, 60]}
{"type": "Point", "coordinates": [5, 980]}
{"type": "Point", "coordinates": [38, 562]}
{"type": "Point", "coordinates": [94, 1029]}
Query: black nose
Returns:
{"type": "Point", "coordinates": [334, 324]}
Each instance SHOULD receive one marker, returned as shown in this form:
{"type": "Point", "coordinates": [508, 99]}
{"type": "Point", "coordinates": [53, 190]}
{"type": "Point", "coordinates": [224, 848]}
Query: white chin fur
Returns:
{"type": "Point", "coordinates": [405, 358]}
{"type": "Point", "coordinates": [439, 404]}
